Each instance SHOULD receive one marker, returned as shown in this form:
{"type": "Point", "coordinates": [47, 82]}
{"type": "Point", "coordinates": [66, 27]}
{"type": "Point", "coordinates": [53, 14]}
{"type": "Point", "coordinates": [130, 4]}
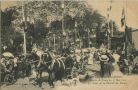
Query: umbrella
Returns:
{"type": "Point", "coordinates": [7, 54]}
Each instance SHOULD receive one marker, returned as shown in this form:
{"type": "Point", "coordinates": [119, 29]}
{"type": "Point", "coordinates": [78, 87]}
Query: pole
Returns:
{"type": "Point", "coordinates": [63, 31]}
{"type": "Point", "coordinates": [48, 42]}
{"type": "Point", "coordinates": [75, 36]}
{"type": "Point", "coordinates": [109, 42]}
{"type": "Point", "coordinates": [126, 45]}
{"type": "Point", "coordinates": [24, 44]}
{"type": "Point", "coordinates": [109, 22]}
{"type": "Point", "coordinates": [125, 41]}
{"type": "Point", "coordinates": [75, 32]}
{"type": "Point", "coordinates": [24, 34]}
{"type": "Point", "coordinates": [54, 42]}
{"type": "Point", "coordinates": [80, 43]}
{"type": "Point", "coordinates": [88, 37]}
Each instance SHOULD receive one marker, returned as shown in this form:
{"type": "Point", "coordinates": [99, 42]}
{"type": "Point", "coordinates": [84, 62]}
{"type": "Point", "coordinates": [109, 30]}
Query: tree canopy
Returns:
{"type": "Point", "coordinates": [44, 17]}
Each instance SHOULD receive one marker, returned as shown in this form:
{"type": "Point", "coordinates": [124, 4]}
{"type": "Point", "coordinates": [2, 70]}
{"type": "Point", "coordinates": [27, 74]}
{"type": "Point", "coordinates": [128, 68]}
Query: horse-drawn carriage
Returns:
{"type": "Point", "coordinates": [7, 68]}
{"type": "Point", "coordinates": [14, 67]}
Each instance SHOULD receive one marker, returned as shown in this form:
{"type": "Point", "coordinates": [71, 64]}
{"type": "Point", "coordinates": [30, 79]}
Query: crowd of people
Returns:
{"type": "Point", "coordinates": [111, 63]}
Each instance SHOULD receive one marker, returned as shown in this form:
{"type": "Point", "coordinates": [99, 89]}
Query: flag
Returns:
{"type": "Point", "coordinates": [123, 22]}
{"type": "Point", "coordinates": [123, 18]}
{"type": "Point", "coordinates": [109, 8]}
{"type": "Point", "coordinates": [109, 20]}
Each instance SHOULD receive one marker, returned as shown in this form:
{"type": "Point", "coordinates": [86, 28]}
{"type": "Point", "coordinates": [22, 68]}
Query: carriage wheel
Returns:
{"type": "Point", "coordinates": [8, 79]}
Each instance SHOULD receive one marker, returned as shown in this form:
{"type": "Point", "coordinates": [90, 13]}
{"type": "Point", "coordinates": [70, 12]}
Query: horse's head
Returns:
{"type": "Point", "coordinates": [33, 56]}
{"type": "Point", "coordinates": [46, 58]}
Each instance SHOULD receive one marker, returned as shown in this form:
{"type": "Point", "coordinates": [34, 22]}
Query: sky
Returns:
{"type": "Point", "coordinates": [131, 8]}
{"type": "Point", "coordinates": [116, 11]}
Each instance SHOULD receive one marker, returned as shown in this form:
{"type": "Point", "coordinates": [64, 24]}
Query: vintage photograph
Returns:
{"type": "Point", "coordinates": [68, 45]}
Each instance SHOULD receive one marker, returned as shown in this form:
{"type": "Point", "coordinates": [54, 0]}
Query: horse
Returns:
{"type": "Point", "coordinates": [23, 67]}
{"type": "Point", "coordinates": [34, 58]}
{"type": "Point", "coordinates": [69, 63]}
{"type": "Point", "coordinates": [54, 66]}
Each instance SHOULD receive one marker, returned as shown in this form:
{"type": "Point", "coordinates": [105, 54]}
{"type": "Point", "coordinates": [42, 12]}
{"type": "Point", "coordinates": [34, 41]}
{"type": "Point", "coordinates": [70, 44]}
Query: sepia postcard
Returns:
{"type": "Point", "coordinates": [68, 45]}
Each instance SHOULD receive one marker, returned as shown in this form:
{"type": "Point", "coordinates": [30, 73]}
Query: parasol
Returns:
{"type": "Point", "coordinates": [7, 54]}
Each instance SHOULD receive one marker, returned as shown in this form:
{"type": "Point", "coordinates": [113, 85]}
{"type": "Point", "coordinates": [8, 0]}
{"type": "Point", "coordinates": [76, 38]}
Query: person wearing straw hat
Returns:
{"type": "Point", "coordinates": [105, 69]}
{"type": "Point", "coordinates": [2, 62]}
{"type": "Point", "coordinates": [90, 57]}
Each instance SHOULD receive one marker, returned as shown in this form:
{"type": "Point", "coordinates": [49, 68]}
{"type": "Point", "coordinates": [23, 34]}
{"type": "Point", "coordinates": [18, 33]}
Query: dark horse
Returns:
{"type": "Point", "coordinates": [54, 66]}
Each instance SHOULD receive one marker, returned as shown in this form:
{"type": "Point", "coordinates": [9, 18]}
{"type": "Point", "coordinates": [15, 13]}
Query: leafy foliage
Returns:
{"type": "Point", "coordinates": [44, 17]}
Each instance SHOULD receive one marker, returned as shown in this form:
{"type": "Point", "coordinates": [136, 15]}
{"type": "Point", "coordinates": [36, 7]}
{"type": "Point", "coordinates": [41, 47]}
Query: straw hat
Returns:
{"type": "Point", "coordinates": [104, 58]}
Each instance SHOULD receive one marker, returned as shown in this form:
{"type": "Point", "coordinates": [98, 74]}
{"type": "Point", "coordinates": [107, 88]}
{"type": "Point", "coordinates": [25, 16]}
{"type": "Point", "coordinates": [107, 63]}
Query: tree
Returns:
{"type": "Point", "coordinates": [75, 14]}
{"type": "Point", "coordinates": [7, 31]}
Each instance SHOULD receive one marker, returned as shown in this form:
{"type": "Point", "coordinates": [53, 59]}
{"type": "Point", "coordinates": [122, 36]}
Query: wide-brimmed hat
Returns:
{"type": "Point", "coordinates": [104, 58]}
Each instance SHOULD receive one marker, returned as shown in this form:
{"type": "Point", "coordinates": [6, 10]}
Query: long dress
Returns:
{"type": "Point", "coordinates": [78, 57]}
{"type": "Point", "coordinates": [90, 59]}
{"type": "Point", "coordinates": [116, 71]}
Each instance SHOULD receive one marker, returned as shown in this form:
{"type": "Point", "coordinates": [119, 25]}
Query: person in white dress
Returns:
{"type": "Point", "coordinates": [116, 71]}
{"type": "Point", "coordinates": [90, 59]}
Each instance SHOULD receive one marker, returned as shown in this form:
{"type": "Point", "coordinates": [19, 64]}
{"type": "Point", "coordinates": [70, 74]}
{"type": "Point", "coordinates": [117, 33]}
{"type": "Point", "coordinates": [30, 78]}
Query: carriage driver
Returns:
{"type": "Point", "coordinates": [4, 62]}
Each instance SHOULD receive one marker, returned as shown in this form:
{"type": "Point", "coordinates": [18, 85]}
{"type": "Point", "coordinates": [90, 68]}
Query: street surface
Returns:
{"type": "Point", "coordinates": [29, 84]}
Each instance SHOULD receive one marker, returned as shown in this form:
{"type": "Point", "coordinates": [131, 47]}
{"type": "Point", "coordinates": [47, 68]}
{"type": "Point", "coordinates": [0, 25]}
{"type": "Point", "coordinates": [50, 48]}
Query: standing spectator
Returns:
{"type": "Point", "coordinates": [15, 67]}
{"type": "Point", "coordinates": [105, 67]}
{"type": "Point", "coordinates": [116, 71]}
